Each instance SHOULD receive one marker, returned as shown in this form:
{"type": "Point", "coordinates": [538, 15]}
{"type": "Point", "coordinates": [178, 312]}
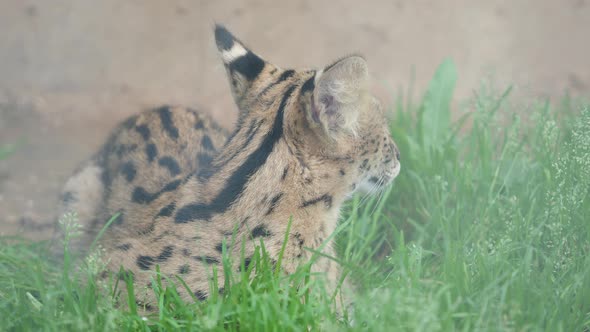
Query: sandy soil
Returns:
{"type": "Point", "coordinates": [71, 69]}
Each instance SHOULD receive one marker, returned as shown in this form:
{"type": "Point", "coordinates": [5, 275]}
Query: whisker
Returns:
{"type": "Point", "coordinates": [381, 195]}
{"type": "Point", "coordinates": [368, 195]}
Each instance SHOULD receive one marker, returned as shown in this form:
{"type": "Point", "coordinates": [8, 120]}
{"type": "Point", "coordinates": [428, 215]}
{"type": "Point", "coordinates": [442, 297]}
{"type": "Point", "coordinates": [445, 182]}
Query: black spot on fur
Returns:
{"type": "Point", "coordinates": [326, 198]}
{"type": "Point", "coordinates": [300, 240]}
{"type": "Point", "coordinates": [364, 164]}
{"type": "Point", "coordinates": [285, 171]}
{"type": "Point", "coordinates": [199, 125]}
{"type": "Point", "coordinates": [166, 211]}
{"type": "Point", "coordinates": [260, 231]}
{"type": "Point", "coordinates": [192, 212]}
{"type": "Point", "coordinates": [186, 252]}
{"type": "Point", "coordinates": [249, 65]}
{"type": "Point", "coordinates": [374, 179]}
{"type": "Point", "coordinates": [171, 164]}
{"type": "Point", "coordinates": [210, 260]}
{"type": "Point", "coordinates": [273, 203]}
{"type": "Point", "coordinates": [237, 181]}
{"type": "Point", "coordinates": [124, 246]}
{"type": "Point", "coordinates": [206, 143]}
{"type": "Point", "coordinates": [200, 295]}
{"type": "Point", "coordinates": [167, 123]}
{"type": "Point", "coordinates": [141, 196]}
{"type": "Point", "coordinates": [300, 243]}
{"type": "Point", "coordinates": [129, 171]}
{"type": "Point", "coordinates": [206, 259]}
{"type": "Point", "coordinates": [342, 173]}
{"type": "Point", "coordinates": [184, 269]}
{"type": "Point", "coordinates": [247, 262]}
{"type": "Point", "coordinates": [219, 247]}
{"type": "Point", "coordinates": [121, 218]}
{"type": "Point", "coordinates": [145, 262]}
{"type": "Point", "coordinates": [223, 39]}
{"type": "Point", "coordinates": [165, 254]}
{"type": "Point", "coordinates": [151, 151]}
{"type": "Point", "coordinates": [144, 131]}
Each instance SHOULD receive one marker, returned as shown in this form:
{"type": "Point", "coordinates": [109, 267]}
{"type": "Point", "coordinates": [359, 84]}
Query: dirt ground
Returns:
{"type": "Point", "coordinates": [71, 69]}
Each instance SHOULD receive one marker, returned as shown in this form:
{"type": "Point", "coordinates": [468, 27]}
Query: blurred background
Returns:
{"type": "Point", "coordinates": [70, 70]}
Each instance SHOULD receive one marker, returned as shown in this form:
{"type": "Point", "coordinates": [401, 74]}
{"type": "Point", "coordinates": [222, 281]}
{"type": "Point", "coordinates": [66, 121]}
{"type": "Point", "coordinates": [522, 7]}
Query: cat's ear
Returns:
{"type": "Point", "coordinates": [340, 91]}
{"type": "Point", "coordinates": [242, 65]}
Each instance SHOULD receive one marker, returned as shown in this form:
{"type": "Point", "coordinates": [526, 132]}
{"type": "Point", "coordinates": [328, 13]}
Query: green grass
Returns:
{"type": "Point", "coordinates": [486, 228]}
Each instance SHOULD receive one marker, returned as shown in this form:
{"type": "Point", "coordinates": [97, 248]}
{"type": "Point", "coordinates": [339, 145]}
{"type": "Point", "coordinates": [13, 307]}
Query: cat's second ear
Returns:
{"type": "Point", "coordinates": [242, 65]}
{"type": "Point", "coordinates": [340, 91]}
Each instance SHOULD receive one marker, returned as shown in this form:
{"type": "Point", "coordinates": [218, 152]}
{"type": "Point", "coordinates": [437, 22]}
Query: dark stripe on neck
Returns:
{"type": "Point", "coordinates": [309, 85]}
{"type": "Point", "coordinates": [248, 136]}
{"type": "Point", "coordinates": [171, 164]}
{"type": "Point", "coordinates": [240, 177]}
{"type": "Point", "coordinates": [284, 76]}
{"type": "Point", "coordinates": [223, 160]}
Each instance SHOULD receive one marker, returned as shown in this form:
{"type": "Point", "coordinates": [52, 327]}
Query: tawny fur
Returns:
{"type": "Point", "coordinates": [305, 141]}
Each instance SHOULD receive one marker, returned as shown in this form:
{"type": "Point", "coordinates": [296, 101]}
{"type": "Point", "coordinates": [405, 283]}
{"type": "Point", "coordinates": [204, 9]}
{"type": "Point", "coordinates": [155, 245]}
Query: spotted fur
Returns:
{"type": "Point", "coordinates": [305, 140]}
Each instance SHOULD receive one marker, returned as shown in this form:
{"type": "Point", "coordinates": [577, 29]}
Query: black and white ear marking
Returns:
{"type": "Point", "coordinates": [229, 47]}
{"type": "Point", "coordinates": [223, 38]}
{"type": "Point", "coordinates": [243, 66]}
